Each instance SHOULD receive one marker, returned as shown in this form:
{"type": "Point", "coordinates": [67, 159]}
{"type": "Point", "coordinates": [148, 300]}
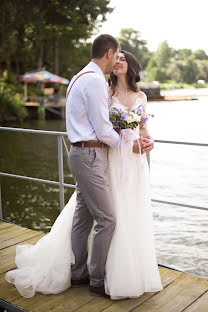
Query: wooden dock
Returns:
{"type": "Point", "coordinates": [182, 292]}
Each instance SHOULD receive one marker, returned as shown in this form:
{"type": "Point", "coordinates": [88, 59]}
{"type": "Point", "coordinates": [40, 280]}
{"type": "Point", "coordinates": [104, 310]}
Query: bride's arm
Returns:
{"type": "Point", "coordinates": [148, 141]}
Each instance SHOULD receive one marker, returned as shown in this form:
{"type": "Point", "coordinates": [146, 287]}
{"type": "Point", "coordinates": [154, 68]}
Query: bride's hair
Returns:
{"type": "Point", "coordinates": [133, 75]}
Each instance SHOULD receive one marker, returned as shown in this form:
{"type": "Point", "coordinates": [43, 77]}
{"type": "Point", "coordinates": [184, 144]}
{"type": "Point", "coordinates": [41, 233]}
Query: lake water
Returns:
{"type": "Point", "coordinates": [178, 173]}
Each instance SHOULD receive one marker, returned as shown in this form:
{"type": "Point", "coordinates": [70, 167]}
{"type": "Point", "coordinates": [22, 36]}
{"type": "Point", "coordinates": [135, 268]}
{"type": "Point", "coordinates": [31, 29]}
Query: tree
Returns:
{"type": "Point", "coordinates": [154, 72]}
{"type": "Point", "coordinates": [129, 40]}
{"type": "Point", "coordinates": [37, 31]}
{"type": "Point", "coordinates": [163, 54]}
{"type": "Point", "coordinates": [202, 66]}
{"type": "Point", "coordinates": [200, 55]}
{"type": "Point", "coordinates": [190, 70]}
{"type": "Point", "coordinates": [183, 54]}
{"type": "Point", "coordinates": [174, 70]}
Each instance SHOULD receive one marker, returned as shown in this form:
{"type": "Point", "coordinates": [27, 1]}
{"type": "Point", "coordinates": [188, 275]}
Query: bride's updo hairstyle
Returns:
{"type": "Point", "coordinates": [133, 73]}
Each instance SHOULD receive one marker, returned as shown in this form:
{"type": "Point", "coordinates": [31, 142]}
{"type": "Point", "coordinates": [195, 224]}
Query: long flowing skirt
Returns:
{"type": "Point", "coordinates": [131, 267]}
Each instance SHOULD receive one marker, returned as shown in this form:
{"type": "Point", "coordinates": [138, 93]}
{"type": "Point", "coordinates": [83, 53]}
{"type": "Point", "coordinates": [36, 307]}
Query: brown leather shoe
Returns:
{"type": "Point", "coordinates": [98, 291]}
{"type": "Point", "coordinates": [80, 282]}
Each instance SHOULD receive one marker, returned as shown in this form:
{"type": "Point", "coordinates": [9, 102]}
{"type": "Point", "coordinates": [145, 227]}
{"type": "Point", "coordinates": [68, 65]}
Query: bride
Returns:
{"type": "Point", "coordinates": [131, 267]}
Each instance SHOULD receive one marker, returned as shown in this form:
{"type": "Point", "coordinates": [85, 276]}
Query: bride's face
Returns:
{"type": "Point", "coordinates": [121, 66]}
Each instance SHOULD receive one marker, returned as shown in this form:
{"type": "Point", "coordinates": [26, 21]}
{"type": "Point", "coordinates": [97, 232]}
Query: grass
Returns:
{"type": "Point", "coordinates": [170, 85]}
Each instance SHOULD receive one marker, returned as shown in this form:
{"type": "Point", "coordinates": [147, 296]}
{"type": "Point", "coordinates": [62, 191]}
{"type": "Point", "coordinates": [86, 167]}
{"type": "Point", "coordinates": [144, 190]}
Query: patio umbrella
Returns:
{"type": "Point", "coordinates": [41, 76]}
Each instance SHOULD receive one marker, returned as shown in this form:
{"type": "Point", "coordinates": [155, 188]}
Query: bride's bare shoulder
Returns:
{"type": "Point", "coordinates": [142, 94]}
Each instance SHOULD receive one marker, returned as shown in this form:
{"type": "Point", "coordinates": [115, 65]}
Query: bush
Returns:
{"type": "Point", "coordinates": [34, 90]}
{"type": "Point", "coordinates": [11, 102]}
{"type": "Point", "coordinates": [170, 85]}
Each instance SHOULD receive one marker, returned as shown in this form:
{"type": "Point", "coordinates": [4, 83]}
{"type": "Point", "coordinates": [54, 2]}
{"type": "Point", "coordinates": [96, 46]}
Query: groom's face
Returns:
{"type": "Point", "coordinates": [112, 57]}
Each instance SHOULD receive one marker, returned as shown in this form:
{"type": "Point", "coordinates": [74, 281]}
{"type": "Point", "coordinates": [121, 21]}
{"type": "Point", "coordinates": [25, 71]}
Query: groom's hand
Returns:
{"type": "Point", "coordinates": [148, 144]}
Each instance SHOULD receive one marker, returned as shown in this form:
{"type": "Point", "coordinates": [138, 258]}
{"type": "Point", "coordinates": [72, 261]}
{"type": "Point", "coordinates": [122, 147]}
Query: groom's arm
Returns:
{"type": "Point", "coordinates": [97, 105]}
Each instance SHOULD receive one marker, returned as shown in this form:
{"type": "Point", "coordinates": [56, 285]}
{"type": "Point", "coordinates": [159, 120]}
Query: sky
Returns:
{"type": "Point", "coordinates": [183, 23]}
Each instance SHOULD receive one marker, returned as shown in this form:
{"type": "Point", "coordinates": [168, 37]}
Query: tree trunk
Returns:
{"type": "Point", "coordinates": [40, 57]}
{"type": "Point", "coordinates": [17, 66]}
{"type": "Point", "coordinates": [56, 69]}
{"type": "Point", "coordinates": [56, 56]}
{"type": "Point", "coordinates": [8, 63]}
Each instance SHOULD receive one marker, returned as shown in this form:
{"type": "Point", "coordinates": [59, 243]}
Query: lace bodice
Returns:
{"type": "Point", "coordinates": [115, 103]}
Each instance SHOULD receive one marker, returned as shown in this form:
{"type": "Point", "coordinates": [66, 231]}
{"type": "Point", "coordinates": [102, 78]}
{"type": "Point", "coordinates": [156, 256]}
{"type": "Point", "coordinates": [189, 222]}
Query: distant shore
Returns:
{"type": "Point", "coordinates": [181, 85]}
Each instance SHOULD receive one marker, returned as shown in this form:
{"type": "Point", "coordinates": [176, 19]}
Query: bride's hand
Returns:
{"type": "Point", "coordinates": [136, 146]}
{"type": "Point", "coordinates": [148, 145]}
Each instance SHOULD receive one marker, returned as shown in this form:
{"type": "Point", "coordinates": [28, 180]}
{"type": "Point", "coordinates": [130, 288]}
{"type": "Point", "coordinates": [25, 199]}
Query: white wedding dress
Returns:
{"type": "Point", "coordinates": [131, 267]}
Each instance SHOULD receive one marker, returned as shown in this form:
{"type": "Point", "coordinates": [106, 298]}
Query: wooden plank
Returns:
{"type": "Point", "coordinates": [26, 303]}
{"type": "Point", "coordinates": [5, 225]}
{"type": "Point", "coordinates": [71, 302]}
{"type": "Point", "coordinates": [7, 254]}
{"type": "Point", "coordinates": [122, 305]}
{"type": "Point", "coordinates": [176, 296]}
{"type": "Point", "coordinates": [7, 266]}
{"type": "Point", "coordinates": [18, 239]}
{"type": "Point", "coordinates": [72, 298]}
{"type": "Point", "coordinates": [181, 292]}
{"type": "Point", "coordinates": [11, 232]}
{"type": "Point", "coordinates": [8, 291]}
{"type": "Point", "coordinates": [128, 304]}
{"type": "Point", "coordinates": [97, 305]}
{"type": "Point", "coordinates": [168, 276]}
{"type": "Point", "coordinates": [200, 305]}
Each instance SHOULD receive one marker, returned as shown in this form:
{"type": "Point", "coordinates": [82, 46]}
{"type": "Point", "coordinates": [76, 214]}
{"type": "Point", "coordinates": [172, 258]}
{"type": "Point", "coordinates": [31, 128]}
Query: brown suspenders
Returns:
{"type": "Point", "coordinates": [75, 80]}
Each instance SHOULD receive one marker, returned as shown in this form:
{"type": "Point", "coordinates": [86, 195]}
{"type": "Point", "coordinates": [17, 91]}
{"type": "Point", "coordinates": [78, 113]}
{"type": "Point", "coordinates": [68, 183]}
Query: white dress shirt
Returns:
{"type": "Point", "coordinates": [87, 109]}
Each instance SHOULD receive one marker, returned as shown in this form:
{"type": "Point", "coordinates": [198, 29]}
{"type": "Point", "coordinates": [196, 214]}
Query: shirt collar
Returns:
{"type": "Point", "coordinates": [96, 68]}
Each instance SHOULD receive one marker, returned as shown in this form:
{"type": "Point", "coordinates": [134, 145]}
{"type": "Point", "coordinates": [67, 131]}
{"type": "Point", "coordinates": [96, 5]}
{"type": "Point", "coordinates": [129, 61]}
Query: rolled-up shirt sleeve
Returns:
{"type": "Point", "coordinates": [98, 112]}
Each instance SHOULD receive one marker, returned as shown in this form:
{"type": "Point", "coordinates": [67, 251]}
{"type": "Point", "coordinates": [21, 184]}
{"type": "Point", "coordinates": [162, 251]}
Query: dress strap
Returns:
{"type": "Point", "coordinates": [76, 79]}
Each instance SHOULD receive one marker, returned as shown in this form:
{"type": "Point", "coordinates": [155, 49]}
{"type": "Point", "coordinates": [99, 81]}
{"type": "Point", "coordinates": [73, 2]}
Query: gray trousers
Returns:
{"type": "Point", "coordinates": [89, 168]}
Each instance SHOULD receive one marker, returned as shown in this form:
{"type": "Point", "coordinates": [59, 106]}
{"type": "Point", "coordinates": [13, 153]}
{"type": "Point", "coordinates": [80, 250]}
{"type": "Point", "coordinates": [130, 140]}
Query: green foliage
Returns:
{"type": "Point", "coordinates": [129, 40]}
{"type": "Point", "coordinates": [157, 65]}
{"type": "Point", "coordinates": [30, 29]}
{"type": "Point", "coordinates": [34, 90]}
{"type": "Point", "coordinates": [53, 34]}
{"type": "Point", "coordinates": [200, 55]}
{"type": "Point", "coordinates": [174, 70]}
{"type": "Point", "coordinates": [41, 112]}
{"type": "Point", "coordinates": [11, 102]}
{"type": "Point", "coordinates": [154, 72]}
{"type": "Point", "coordinates": [202, 66]}
{"type": "Point", "coordinates": [182, 54]}
{"type": "Point", "coordinates": [171, 84]}
{"type": "Point", "coordinates": [163, 54]}
{"type": "Point", "coordinates": [182, 66]}
{"type": "Point", "coordinates": [75, 58]}
{"type": "Point", "coordinates": [190, 70]}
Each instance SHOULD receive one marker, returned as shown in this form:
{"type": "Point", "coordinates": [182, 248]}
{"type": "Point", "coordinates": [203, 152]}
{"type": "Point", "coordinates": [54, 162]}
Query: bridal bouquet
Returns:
{"type": "Point", "coordinates": [127, 120]}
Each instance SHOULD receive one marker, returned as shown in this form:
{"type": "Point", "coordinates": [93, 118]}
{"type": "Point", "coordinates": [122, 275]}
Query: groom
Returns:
{"type": "Point", "coordinates": [91, 133]}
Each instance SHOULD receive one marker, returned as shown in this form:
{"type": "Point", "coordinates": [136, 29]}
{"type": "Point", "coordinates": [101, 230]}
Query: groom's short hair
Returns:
{"type": "Point", "coordinates": [102, 44]}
